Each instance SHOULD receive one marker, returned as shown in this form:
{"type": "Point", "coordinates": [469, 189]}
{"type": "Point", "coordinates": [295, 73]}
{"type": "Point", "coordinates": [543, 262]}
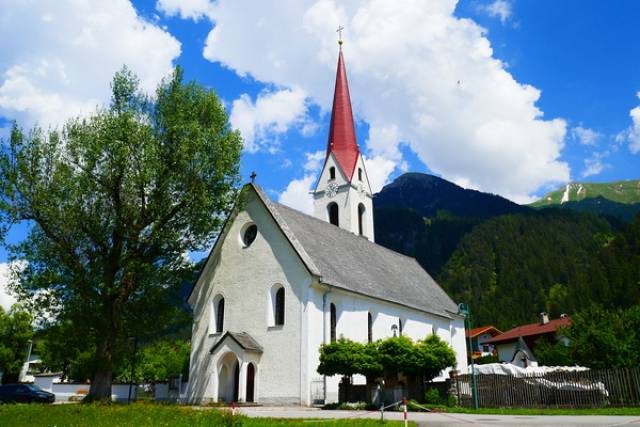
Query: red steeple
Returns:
{"type": "Point", "coordinates": [342, 133]}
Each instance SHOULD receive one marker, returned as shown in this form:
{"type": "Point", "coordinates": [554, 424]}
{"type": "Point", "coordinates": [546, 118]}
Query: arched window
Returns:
{"type": "Point", "coordinates": [333, 320]}
{"type": "Point", "coordinates": [220, 315]}
{"type": "Point", "coordinates": [276, 305]}
{"type": "Point", "coordinates": [360, 174]}
{"type": "Point", "coordinates": [369, 328]}
{"type": "Point", "coordinates": [279, 309]}
{"type": "Point", "coordinates": [251, 381]}
{"type": "Point", "coordinates": [361, 210]}
{"type": "Point", "coordinates": [333, 214]}
{"type": "Point", "coordinates": [332, 173]}
{"type": "Point", "coordinates": [217, 325]}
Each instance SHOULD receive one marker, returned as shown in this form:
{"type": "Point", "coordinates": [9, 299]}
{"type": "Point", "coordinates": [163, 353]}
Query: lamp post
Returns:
{"type": "Point", "coordinates": [464, 310]}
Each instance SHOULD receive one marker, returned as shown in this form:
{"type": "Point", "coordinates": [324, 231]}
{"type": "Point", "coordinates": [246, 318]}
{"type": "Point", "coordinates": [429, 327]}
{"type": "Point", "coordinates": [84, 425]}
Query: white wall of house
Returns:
{"type": "Point", "coordinates": [481, 343]}
{"type": "Point", "coordinates": [245, 276]}
{"type": "Point", "coordinates": [506, 351]}
{"type": "Point", "coordinates": [352, 323]}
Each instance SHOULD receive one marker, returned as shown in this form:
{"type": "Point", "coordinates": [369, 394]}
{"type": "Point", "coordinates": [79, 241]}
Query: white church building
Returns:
{"type": "Point", "coordinates": [279, 283]}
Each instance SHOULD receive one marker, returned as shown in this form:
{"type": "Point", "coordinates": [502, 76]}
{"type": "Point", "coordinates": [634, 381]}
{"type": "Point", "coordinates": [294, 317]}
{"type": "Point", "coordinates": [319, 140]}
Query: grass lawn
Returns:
{"type": "Point", "coordinates": [146, 415]}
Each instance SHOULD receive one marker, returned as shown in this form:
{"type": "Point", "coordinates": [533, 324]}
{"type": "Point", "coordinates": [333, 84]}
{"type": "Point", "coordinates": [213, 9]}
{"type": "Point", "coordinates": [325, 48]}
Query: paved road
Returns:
{"type": "Point", "coordinates": [452, 420]}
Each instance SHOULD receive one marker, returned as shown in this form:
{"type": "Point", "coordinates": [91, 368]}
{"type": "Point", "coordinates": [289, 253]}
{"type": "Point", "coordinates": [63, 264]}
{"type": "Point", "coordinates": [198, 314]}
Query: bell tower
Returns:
{"type": "Point", "coordinates": [343, 195]}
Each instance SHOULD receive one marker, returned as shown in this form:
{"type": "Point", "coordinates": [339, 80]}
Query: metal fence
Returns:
{"type": "Point", "coordinates": [575, 389]}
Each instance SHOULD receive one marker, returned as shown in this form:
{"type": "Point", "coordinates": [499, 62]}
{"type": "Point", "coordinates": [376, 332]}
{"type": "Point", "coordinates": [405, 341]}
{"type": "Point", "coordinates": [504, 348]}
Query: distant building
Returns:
{"type": "Point", "coordinates": [507, 343]}
{"type": "Point", "coordinates": [479, 337]}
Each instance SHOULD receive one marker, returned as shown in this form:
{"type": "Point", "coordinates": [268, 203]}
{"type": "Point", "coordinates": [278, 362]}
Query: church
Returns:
{"type": "Point", "coordinates": [279, 283]}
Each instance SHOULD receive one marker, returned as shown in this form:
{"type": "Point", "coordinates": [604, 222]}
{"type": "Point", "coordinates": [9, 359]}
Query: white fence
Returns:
{"type": "Point", "coordinates": [66, 392]}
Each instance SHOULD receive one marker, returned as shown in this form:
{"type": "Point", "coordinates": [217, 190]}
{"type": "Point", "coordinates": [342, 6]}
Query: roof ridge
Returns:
{"type": "Point", "coordinates": [342, 230]}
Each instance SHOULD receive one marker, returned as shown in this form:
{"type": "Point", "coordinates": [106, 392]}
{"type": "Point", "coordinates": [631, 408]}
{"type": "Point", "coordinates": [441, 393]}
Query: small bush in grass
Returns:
{"type": "Point", "coordinates": [229, 419]}
{"type": "Point", "coordinates": [432, 396]}
{"type": "Point", "coordinates": [451, 401]}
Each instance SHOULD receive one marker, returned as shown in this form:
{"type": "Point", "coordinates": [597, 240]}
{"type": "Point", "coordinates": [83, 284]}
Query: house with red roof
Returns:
{"type": "Point", "coordinates": [479, 337]}
{"type": "Point", "coordinates": [519, 343]}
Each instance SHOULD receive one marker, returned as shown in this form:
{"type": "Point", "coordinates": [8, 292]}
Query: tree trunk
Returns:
{"type": "Point", "coordinates": [100, 389]}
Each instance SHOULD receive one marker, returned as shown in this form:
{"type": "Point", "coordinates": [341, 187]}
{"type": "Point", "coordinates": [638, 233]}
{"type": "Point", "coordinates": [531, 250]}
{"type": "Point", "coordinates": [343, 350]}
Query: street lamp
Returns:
{"type": "Point", "coordinates": [394, 329]}
{"type": "Point", "coordinates": [464, 310]}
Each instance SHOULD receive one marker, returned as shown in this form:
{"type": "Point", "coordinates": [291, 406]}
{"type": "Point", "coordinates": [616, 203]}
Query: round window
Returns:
{"type": "Point", "coordinates": [249, 234]}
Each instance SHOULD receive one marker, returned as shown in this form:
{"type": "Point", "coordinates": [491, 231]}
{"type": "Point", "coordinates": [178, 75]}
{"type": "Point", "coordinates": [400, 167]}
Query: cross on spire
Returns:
{"type": "Point", "coordinates": [339, 31]}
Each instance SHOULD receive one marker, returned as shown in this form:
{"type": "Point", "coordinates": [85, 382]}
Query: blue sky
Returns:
{"type": "Point", "coordinates": [513, 97]}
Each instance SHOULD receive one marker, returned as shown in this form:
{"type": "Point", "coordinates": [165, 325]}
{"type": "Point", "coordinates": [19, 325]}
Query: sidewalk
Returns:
{"type": "Point", "coordinates": [449, 420]}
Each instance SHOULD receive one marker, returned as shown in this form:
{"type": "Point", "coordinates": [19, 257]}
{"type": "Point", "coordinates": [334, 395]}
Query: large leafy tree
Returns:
{"type": "Point", "coordinates": [15, 333]}
{"type": "Point", "coordinates": [601, 339]}
{"type": "Point", "coordinates": [115, 201]}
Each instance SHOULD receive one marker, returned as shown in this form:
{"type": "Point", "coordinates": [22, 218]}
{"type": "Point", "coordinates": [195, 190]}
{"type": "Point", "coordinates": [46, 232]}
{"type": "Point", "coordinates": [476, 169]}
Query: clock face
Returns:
{"type": "Point", "coordinates": [332, 189]}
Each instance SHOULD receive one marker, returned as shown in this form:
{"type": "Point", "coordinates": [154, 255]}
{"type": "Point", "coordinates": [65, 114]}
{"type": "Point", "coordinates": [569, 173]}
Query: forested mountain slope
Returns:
{"type": "Point", "coordinates": [623, 211]}
{"type": "Point", "coordinates": [512, 267]}
{"type": "Point", "coordinates": [512, 262]}
{"type": "Point", "coordinates": [425, 216]}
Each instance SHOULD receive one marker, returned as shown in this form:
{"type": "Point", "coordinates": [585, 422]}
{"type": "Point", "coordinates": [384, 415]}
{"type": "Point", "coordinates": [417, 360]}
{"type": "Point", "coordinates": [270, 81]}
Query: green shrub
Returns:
{"type": "Point", "coordinates": [432, 396]}
{"type": "Point", "coordinates": [451, 401]}
{"type": "Point", "coordinates": [483, 360]}
{"type": "Point", "coordinates": [229, 419]}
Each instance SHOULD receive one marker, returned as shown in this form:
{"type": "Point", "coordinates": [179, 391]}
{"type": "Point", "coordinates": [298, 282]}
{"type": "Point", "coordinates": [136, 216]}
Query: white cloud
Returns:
{"type": "Point", "coordinates": [297, 194]}
{"type": "Point", "coordinates": [272, 114]}
{"type": "Point", "coordinates": [6, 298]}
{"type": "Point", "coordinates": [499, 9]}
{"type": "Point", "coordinates": [595, 164]}
{"type": "Point", "coordinates": [63, 64]}
{"type": "Point", "coordinates": [186, 9]}
{"type": "Point", "coordinates": [378, 171]}
{"type": "Point", "coordinates": [314, 161]}
{"type": "Point", "coordinates": [634, 131]}
{"type": "Point", "coordinates": [418, 75]}
{"type": "Point", "coordinates": [585, 136]}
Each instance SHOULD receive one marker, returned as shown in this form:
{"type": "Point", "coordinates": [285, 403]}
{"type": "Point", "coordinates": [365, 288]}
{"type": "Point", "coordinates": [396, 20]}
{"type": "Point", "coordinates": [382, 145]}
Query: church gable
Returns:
{"type": "Point", "coordinates": [250, 219]}
{"type": "Point", "coordinates": [263, 282]}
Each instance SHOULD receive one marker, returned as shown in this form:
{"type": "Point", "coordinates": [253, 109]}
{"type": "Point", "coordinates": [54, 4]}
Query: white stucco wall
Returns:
{"type": "Point", "coordinates": [286, 371]}
{"type": "Point", "coordinates": [352, 323]}
{"type": "Point", "coordinates": [350, 195]}
{"type": "Point", "coordinates": [245, 276]}
{"type": "Point", "coordinates": [506, 351]}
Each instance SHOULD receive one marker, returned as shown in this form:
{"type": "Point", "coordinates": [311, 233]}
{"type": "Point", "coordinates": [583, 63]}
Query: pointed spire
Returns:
{"type": "Point", "coordinates": [342, 134]}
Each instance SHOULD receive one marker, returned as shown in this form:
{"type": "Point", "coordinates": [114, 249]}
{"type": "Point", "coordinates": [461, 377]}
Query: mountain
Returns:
{"type": "Point", "coordinates": [428, 194]}
{"type": "Point", "coordinates": [425, 216]}
{"type": "Point", "coordinates": [625, 212]}
{"type": "Point", "coordinates": [511, 262]}
{"type": "Point", "coordinates": [619, 191]}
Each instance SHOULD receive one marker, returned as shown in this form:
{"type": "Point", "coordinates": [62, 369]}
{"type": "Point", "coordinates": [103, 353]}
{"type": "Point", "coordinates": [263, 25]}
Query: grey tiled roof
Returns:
{"type": "Point", "coordinates": [243, 339]}
{"type": "Point", "coordinates": [344, 260]}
